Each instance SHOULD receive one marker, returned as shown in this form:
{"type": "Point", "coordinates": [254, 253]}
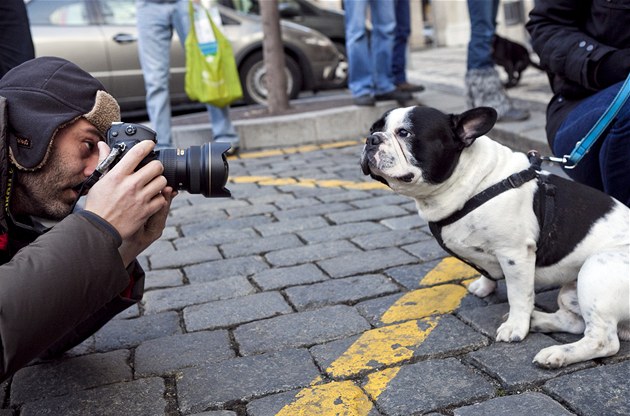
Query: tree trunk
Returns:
{"type": "Point", "coordinates": [273, 52]}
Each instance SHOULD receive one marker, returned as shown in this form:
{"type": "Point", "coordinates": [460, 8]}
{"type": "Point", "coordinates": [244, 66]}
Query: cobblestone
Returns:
{"type": "Point", "coordinates": [184, 258]}
{"type": "Point", "coordinates": [235, 311]}
{"type": "Point", "coordinates": [144, 396]}
{"type": "Point", "coordinates": [299, 329]}
{"type": "Point", "coordinates": [366, 214]}
{"type": "Point", "coordinates": [309, 253]}
{"type": "Point", "coordinates": [42, 381]}
{"type": "Point", "coordinates": [336, 291]}
{"type": "Point", "coordinates": [340, 232]}
{"type": "Point", "coordinates": [279, 278]}
{"type": "Point", "coordinates": [168, 354]}
{"type": "Point", "coordinates": [176, 298]}
{"type": "Point", "coordinates": [291, 226]}
{"type": "Point", "coordinates": [595, 391]}
{"type": "Point", "coordinates": [430, 385]}
{"type": "Point", "coordinates": [385, 239]}
{"type": "Point", "coordinates": [220, 269]}
{"type": "Point", "coordinates": [519, 404]}
{"type": "Point", "coordinates": [126, 333]}
{"type": "Point", "coordinates": [244, 378]}
{"type": "Point", "coordinates": [511, 363]}
{"type": "Point", "coordinates": [365, 262]}
{"type": "Point", "coordinates": [260, 245]}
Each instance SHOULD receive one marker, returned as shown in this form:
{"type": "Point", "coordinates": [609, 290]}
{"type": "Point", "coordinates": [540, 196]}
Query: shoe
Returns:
{"type": "Point", "coordinates": [514, 114]}
{"type": "Point", "coordinates": [364, 100]}
{"type": "Point", "coordinates": [400, 96]}
{"type": "Point", "coordinates": [409, 87]}
{"type": "Point", "coordinates": [234, 144]}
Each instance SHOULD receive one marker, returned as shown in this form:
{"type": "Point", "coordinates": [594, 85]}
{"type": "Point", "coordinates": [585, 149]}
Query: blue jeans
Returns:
{"type": "Point", "coordinates": [370, 60]}
{"type": "Point", "coordinates": [607, 165]}
{"type": "Point", "coordinates": [403, 30]}
{"type": "Point", "coordinates": [483, 24]}
{"type": "Point", "coordinates": [156, 22]}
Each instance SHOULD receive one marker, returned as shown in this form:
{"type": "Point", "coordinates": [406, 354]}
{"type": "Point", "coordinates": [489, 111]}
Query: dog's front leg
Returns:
{"type": "Point", "coordinates": [518, 269]}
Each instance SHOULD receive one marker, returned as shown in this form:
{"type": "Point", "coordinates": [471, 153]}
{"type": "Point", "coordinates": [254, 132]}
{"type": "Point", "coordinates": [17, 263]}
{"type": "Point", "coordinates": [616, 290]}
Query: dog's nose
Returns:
{"type": "Point", "coordinates": [373, 140]}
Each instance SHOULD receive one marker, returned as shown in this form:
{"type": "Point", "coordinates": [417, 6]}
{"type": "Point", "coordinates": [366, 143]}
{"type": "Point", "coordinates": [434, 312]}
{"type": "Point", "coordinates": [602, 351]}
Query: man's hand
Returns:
{"type": "Point", "coordinates": [135, 203]}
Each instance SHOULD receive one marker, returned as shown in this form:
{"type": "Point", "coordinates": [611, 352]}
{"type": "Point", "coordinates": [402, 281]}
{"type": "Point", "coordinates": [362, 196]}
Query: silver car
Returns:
{"type": "Point", "coordinates": [100, 36]}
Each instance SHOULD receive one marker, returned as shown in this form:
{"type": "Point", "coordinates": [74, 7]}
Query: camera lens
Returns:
{"type": "Point", "coordinates": [198, 169]}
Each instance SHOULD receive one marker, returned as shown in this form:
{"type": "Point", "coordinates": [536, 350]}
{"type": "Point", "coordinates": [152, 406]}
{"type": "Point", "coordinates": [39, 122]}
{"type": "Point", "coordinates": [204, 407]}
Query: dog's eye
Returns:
{"type": "Point", "coordinates": [403, 133]}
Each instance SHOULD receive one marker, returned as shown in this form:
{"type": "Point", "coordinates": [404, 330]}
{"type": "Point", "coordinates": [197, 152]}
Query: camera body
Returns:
{"type": "Point", "coordinates": [127, 135]}
{"type": "Point", "coordinates": [198, 169]}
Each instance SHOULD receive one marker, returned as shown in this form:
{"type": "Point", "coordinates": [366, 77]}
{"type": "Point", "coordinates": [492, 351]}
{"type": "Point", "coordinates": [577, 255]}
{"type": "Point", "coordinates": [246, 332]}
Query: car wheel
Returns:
{"type": "Point", "coordinates": [254, 80]}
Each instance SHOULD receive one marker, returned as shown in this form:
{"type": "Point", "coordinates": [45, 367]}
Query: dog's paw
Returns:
{"type": "Point", "coordinates": [482, 287]}
{"type": "Point", "coordinates": [551, 357]}
{"type": "Point", "coordinates": [511, 331]}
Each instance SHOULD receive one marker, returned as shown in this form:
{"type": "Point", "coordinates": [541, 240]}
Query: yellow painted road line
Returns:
{"type": "Point", "coordinates": [447, 270]}
{"type": "Point", "coordinates": [425, 302]}
{"type": "Point", "coordinates": [310, 183]}
{"type": "Point", "coordinates": [379, 352]}
{"type": "Point", "coordinates": [381, 347]}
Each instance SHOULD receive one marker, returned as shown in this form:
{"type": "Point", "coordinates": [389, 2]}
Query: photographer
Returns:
{"type": "Point", "coordinates": [59, 286]}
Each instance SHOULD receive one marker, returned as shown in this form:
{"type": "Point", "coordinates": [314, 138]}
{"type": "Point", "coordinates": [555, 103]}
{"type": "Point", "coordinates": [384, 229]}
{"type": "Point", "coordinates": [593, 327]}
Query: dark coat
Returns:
{"type": "Point", "coordinates": [583, 45]}
{"type": "Point", "coordinates": [62, 286]}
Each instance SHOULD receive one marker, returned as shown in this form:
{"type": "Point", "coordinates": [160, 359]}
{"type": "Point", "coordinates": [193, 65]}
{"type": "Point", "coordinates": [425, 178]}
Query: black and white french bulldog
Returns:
{"type": "Point", "coordinates": [489, 206]}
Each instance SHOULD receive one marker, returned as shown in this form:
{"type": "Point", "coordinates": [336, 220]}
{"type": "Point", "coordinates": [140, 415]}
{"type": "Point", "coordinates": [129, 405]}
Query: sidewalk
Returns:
{"type": "Point", "coordinates": [315, 291]}
{"type": "Point", "coordinates": [440, 70]}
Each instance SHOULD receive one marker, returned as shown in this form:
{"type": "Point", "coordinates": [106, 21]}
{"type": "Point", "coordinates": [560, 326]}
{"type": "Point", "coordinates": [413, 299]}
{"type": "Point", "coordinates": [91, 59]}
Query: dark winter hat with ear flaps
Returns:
{"type": "Point", "coordinates": [45, 94]}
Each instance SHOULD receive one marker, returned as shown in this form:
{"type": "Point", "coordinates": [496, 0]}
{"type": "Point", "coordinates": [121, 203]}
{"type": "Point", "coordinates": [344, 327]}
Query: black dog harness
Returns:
{"type": "Point", "coordinates": [543, 206]}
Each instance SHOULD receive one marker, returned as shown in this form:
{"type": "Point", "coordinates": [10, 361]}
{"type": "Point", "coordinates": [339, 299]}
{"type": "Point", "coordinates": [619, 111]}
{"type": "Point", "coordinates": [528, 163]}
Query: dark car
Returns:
{"type": "Point", "coordinates": [100, 36]}
{"type": "Point", "coordinates": [304, 12]}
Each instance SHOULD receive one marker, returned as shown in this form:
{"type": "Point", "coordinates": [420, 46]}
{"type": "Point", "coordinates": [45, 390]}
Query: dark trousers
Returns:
{"type": "Point", "coordinates": [403, 30]}
{"type": "Point", "coordinates": [483, 24]}
{"type": "Point", "coordinates": [607, 165]}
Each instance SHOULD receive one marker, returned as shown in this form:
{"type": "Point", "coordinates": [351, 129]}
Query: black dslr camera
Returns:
{"type": "Point", "coordinates": [198, 169]}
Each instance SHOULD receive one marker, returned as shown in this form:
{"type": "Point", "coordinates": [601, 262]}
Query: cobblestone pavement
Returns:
{"type": "Point", "coordinates": [312, 291]}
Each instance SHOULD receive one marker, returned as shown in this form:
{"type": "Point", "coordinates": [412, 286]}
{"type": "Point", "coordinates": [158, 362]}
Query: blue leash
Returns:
{"type": "Point", "coordinates": [583, 146]}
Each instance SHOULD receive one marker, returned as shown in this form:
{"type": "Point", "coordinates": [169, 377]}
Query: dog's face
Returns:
{"type": "Point", "coordinates": [421, 145]}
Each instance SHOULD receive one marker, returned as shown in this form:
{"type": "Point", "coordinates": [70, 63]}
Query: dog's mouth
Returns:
{"type": "Point", "coordinates": [369, 166]}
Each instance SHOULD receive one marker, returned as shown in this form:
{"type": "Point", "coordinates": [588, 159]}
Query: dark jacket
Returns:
{"type": "Point", "coordinates": [583, 45]}
{"type": "Point", "coordinates": [62, 286]}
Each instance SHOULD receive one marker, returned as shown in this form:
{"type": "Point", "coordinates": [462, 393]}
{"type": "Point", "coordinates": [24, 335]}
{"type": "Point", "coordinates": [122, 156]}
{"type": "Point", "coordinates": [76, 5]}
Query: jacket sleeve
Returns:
{"type": "Point", "coordinates": [564, 48]}
{"type": "Point", "coordinates": [55, 283]}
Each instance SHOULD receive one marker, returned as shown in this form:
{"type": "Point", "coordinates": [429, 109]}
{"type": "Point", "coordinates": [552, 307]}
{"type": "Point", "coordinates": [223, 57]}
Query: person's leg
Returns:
{"type": "Point", "coordinates": [154, 42]}
{"type": "Point", "coordinates": [482, 82]}
{"type": "Point", "coordinates": [382, 44]}
{"type": "Point", "coordinates": [16, 44]}
{"type": "Point", "coordinates": [482, 27]}
{"type": "Point", "coordinates": [359, 60]}
{"type": "Point", "coordinates": [403, 29]}
{"type": "Point", "coordinates": [607, 165]}
{"type": "Point", "coordinates": [222, 127]}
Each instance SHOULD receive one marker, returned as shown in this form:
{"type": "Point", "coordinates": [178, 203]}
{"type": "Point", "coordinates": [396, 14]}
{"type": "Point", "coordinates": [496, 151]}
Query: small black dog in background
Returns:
{"type": "Point", "coordinates": [513, 57]}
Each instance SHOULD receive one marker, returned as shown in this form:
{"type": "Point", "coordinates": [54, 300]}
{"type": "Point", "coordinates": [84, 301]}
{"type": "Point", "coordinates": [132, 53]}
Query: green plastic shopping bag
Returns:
{"type": "Point", "coordinates": [211, 74]}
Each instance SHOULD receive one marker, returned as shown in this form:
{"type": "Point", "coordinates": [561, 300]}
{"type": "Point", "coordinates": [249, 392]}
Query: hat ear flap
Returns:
{"type": "Point", "coordinates": [473, 123]}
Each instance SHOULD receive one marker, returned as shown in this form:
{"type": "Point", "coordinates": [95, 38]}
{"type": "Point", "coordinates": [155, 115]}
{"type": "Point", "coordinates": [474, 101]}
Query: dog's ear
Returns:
{"type": "Point", "coordinates": [473, 123]}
